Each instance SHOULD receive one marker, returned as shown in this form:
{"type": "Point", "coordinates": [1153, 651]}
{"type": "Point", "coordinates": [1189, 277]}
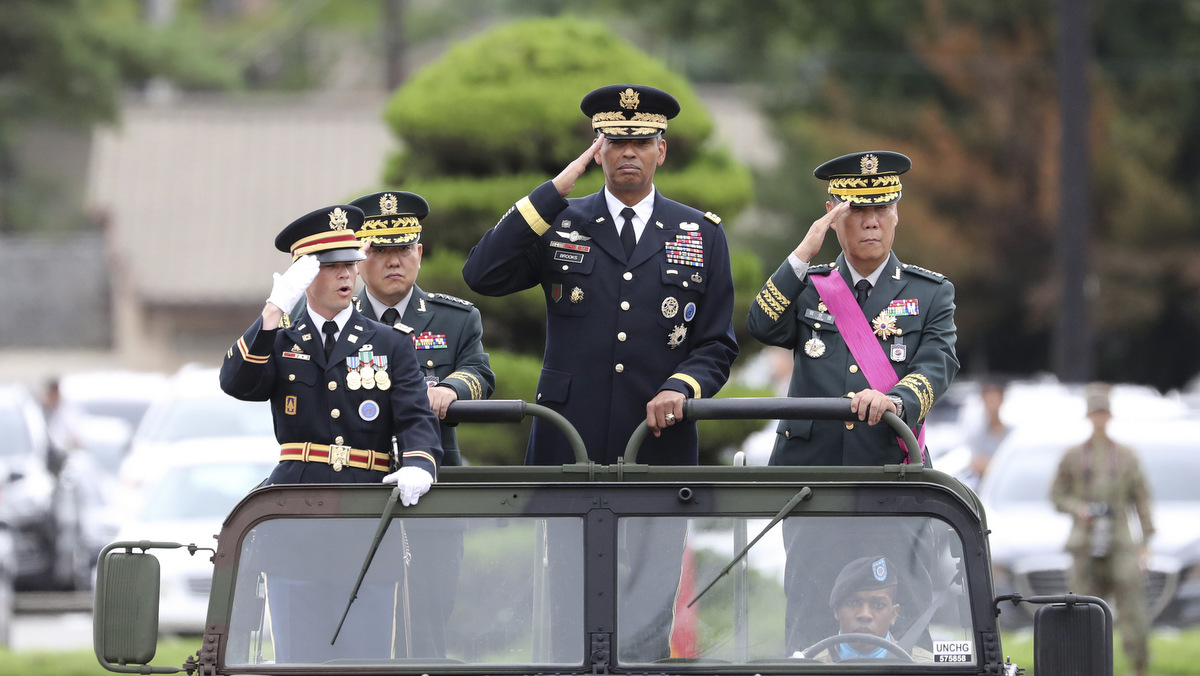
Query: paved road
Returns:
{"type": "Point", "coordinates": [52, 621]}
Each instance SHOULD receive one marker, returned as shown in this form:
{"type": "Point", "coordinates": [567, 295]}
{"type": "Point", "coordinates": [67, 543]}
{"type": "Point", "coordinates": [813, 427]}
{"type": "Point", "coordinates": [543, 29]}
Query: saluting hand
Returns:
{"type": "Point", "coordinates": [564, 183]}
{"type": "Point", "coordinates": [812, 241]}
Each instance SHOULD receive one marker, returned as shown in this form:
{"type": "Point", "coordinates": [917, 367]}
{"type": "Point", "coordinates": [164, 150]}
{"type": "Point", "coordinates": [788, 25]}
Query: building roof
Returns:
{"type": "Point", "coordinates": [194, 191]}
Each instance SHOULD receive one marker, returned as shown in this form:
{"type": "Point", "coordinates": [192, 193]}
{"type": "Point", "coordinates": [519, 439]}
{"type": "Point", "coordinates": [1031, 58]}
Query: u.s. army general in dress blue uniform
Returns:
{"type": "Point", "coordinates": [639, 304]}
{"type": "Point", "coordinates": [621, 329]}
{"type": "Point", "coordinates": [341, 387]}
{"type": "Point", "coordinates": [911, 315]}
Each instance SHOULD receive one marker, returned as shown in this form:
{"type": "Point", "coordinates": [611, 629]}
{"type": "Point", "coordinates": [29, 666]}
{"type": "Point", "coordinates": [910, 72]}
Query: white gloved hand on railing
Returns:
{"type": "Point", "coordinates": [413, 482]}
{"type": "Point", "coordinates": [290, 286]}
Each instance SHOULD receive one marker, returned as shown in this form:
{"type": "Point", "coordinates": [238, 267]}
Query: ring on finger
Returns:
{"type": "Point", "coordinates": [670, 418]}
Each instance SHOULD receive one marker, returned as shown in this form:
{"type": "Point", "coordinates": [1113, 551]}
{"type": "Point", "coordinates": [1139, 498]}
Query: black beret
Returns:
{"type": "Point", "coordinates": [864, 574]}
{"type": "Point", "coordinates": [327, 233]}
{"type": "Point", "coordinates": [629, 111]}
{"type": "Point", "coordinates": [865, 179]}
{"type": "Point", "coordinates": [392, 217]}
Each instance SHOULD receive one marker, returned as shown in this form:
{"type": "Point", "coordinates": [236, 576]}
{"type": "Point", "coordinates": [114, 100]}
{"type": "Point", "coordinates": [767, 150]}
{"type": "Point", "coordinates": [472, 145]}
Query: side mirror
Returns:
{"type": "Point", "coordinates": [1073, 638]}
{"type": "Point", "coordinates": [125, 607]}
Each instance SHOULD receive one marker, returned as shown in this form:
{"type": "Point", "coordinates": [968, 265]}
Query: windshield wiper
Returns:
{"type": "Point", "coordinates": [804, 494]}
{"type": "Point", "coordinates": [384, 522]}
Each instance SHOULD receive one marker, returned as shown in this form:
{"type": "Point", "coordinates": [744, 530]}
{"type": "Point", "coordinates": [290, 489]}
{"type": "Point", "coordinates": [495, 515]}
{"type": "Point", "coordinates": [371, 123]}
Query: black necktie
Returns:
{"type": "Point", "coordinates": [628, 238]}
{"type": "Point", "coordinates": [390, 316]}
{"type": "Point", "coordinates": [329, 329]}
{"type": "Point", "coordinates": [861, 289]}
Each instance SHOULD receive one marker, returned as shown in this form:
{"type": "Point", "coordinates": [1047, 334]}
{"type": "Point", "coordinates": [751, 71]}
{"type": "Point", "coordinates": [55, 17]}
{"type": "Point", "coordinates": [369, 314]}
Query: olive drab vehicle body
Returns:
{"type": "Point", "coordinates": [543, 562]}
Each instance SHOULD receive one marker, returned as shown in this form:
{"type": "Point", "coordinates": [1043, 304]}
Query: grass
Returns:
{"type": "Point", "coordinates": [1171, 654]}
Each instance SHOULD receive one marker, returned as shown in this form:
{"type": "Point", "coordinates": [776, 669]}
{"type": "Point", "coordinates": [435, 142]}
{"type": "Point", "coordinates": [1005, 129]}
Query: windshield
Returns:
{"type": "Point", "coordinates": [15, 433]}
{"type": "Point", "coordinates": [523, 592]}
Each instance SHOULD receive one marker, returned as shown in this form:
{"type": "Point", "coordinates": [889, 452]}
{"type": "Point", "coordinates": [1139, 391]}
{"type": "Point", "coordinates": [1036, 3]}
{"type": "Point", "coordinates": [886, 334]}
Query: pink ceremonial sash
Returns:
{"type": "Point", "coordinates": [861, 340]}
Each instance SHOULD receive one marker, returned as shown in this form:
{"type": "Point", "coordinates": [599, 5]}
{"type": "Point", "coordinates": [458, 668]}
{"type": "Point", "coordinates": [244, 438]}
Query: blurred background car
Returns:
{"type": "Point", "coordinates": [188, 494]}
{"type": "Point", "coordinates": [43, 514]}
{"type": "Point", "coordinates": [1029, 536]}
{"type": "Point", "coordinates": [192, 406]}
{"type": "Point", "coordinates": [8, 577]}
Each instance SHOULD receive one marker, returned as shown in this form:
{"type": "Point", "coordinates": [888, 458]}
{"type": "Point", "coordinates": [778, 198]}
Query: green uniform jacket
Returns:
{"type": "Point", "coordinates": [1090, 473]}
{"type": "Point", "coordinates": [448, 336]}
{"type": "Point", "coordinates": [788, 313]}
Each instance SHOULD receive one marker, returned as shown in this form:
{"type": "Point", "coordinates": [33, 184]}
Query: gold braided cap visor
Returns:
{"type": "Point", "coordinates": [325, 241]}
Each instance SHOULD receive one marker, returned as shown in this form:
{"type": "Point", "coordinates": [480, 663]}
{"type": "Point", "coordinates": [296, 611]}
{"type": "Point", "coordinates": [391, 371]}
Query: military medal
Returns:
{"type": "Point", "coordinates": [885, 325]}
{"type": "Point", "coordinates": [576, 295]}
{"type": "Point", "coordinates": [353, 380]}
{"type": "Point", "coordinates": [670, 307]}
{"type": "Point", "coordinates": [814, 347]}
{"type": "Point", "coordinates": [677, 336]}
{"type": "Point", "coordinates": [899, 350]}
{"type": "Point", "coordinates": [821, 307]}
{"type": "Point", "coordinates": [689, 311]}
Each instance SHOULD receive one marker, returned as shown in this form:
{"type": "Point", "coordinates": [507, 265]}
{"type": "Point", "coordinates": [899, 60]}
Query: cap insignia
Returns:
{"type": "Point", "coordinates": [388, 205]}
{"type": "Point", "coordinates": [869, 164]}
{"type": "Point", "coordinates": [338, 219]}
{"type": "Point", "coordinates": [629, 99]}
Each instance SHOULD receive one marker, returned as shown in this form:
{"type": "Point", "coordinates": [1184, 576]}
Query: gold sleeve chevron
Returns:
{"type": "Point", "coordinates": [474, 385]}
{"type": "Point", "coordinates": [772, 301]}
{"type": "Point", "coordinates": [532, 217]}
{"type": "Point", "coordinates": [920, 386]}
{"type": "Point", "coordinates": [245, 352]}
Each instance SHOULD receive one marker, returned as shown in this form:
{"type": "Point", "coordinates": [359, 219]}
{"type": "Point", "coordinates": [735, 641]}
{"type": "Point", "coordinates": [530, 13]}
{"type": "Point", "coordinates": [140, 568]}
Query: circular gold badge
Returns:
{"type": "Point", "coordinates": [814, 348]}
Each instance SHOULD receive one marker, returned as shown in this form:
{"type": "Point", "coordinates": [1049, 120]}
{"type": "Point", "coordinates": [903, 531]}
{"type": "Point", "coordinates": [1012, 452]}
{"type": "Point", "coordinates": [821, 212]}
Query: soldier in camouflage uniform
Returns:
{"type": "Point", "coordinates": [1097, 483]}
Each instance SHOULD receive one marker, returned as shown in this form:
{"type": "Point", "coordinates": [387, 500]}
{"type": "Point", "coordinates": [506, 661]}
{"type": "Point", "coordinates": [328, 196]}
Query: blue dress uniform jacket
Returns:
{"type": "Point", "coordinates": [453, 354]}
{"type": "Point", "coordinates": [788, 313]}
{"type": "Point", "coordinates": [617, 331]}
{"type": "Point", "coordinates": [311, 402]}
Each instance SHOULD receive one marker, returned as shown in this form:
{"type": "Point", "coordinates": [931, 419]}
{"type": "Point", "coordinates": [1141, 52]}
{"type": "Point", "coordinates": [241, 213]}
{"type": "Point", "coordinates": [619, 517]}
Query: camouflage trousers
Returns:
{"type": "Point", "coordinates": [1119, 580]}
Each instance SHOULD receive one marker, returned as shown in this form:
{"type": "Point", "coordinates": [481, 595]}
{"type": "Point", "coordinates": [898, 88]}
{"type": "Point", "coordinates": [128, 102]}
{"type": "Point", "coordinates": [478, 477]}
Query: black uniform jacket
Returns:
{"type": "Point", "coordinates": [311, 401]}
{"type": "Point", "coordinates": [448, 336]}
{"type": "Point", "coordinates": [789, 313]}
{"type": "Point", "coordinates": [617, 331]}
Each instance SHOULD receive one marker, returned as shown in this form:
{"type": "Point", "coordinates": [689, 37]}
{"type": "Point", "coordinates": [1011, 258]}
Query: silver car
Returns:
{"type": "Point", "coordinates": [1029, 535]}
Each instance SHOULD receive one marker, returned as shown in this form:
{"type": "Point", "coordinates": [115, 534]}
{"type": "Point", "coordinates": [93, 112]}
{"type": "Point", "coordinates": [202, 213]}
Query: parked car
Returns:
{"type": "Point", "coordinates": [111, 404]}
{"type": "Point", "coordinates": [191, 407]}
{"type": "Point", "coordinates": [8, 580]}
{"type": "Point", "coordinates": [43, 513]}
{"type": "Point", "coordinates": [1029, 535]}
{"type": "Point", "coordinates": [187, 496]}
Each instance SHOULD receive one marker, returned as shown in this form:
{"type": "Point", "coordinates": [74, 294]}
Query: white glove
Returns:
{"type": "Point", "coordinates": [289, 287]}
{"type": "Point", "coordinates": [413, 482]}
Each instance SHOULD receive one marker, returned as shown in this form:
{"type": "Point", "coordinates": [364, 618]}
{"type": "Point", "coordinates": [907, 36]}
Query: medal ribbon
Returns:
{"type": "Point", "coordinates": [861, 340]}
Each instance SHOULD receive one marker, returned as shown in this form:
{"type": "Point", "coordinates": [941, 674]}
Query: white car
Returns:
{"type": "Point", "coordinates": [192, 407]}
{"type": "Point", "coordinates": [195, 485]}
{"type": "Point", "coordinates": [1029, 535]}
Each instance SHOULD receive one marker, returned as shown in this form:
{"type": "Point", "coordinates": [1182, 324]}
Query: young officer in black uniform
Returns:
{"type": "Point", "coordinates": [341, 387]}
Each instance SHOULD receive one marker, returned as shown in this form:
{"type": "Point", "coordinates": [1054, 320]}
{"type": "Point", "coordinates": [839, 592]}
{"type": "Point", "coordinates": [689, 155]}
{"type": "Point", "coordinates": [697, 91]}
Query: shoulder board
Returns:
{"type": "Point", "coordinates": [451, 300]}
{"type": "Point", "coordinates": [712, 217]}
{"type": "Point", "coordinates": [922, 272]}
{"type": "Point", "coordinates": [403, 328]}
{"type": "Point", "coordinates": [822, 269]}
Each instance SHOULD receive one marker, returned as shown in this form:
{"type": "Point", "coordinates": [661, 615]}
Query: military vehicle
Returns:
{"type": "Point", "coordinates": [535, 570]}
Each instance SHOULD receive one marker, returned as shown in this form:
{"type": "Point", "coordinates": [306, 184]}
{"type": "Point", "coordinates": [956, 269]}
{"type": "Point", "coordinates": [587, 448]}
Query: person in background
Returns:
{"type": "Point", "coordinates": [1098, 483]}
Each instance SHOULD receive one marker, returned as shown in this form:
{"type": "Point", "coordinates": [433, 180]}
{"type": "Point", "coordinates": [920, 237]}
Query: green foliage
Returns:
{"type": "Point", "coordinates": [508, 101]}
{"type": "Point", "coordinates": [503, 443]}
